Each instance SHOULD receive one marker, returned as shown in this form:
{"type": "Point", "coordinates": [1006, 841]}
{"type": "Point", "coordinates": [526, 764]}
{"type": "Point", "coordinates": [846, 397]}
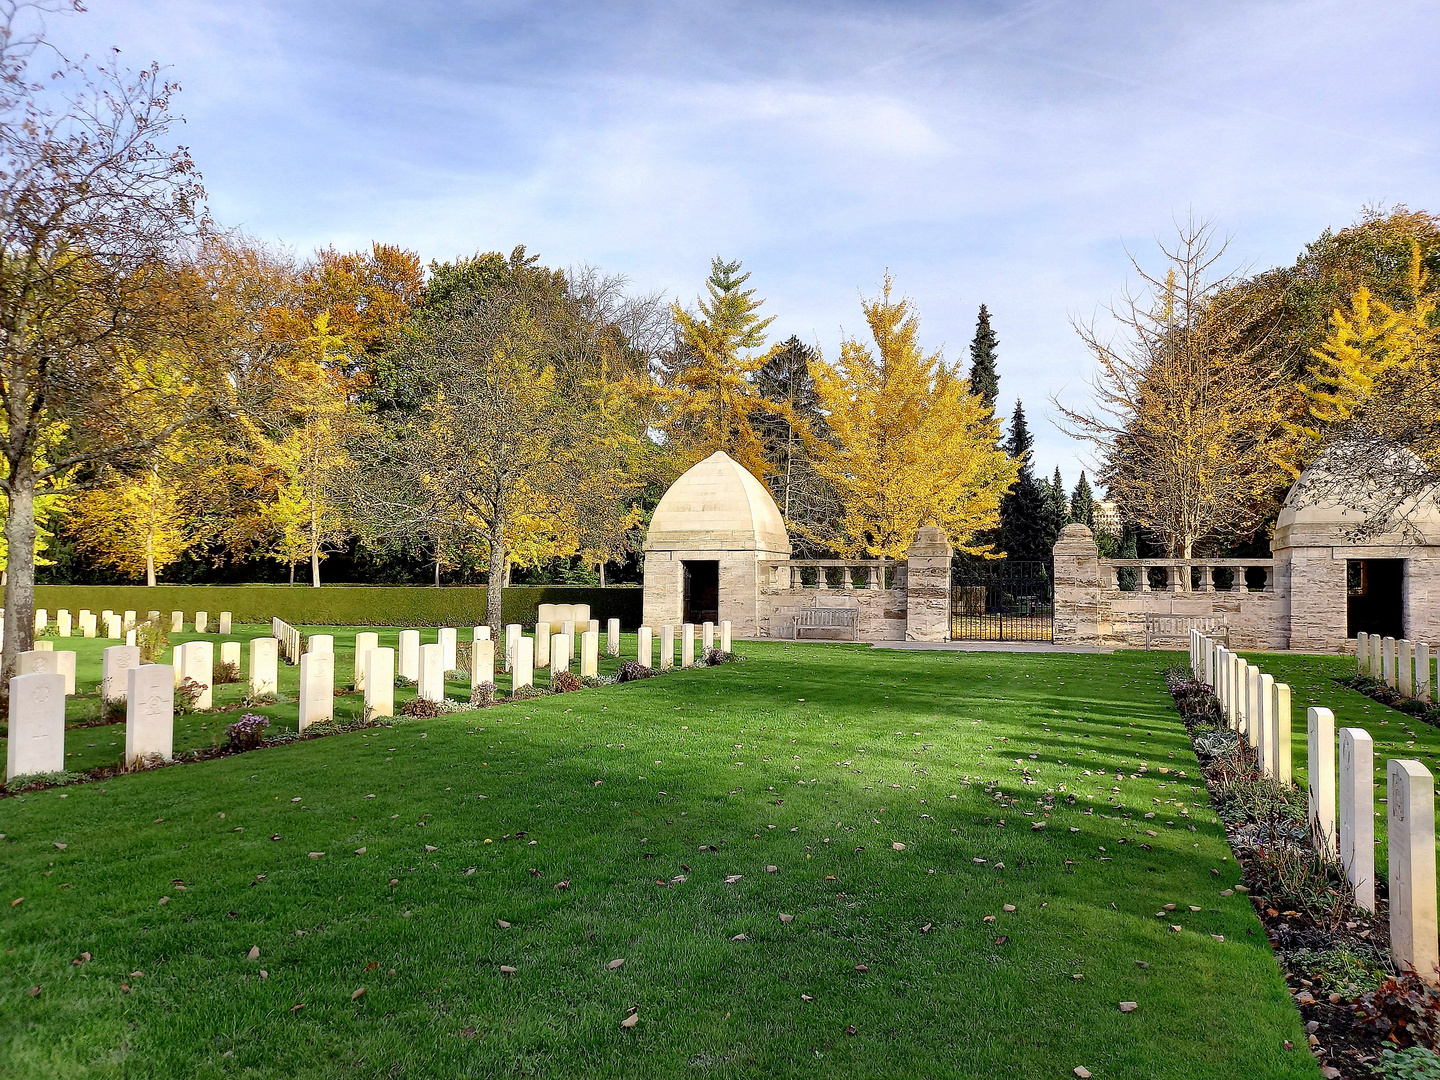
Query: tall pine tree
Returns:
{"type": "Point", "coordinates": [1082, 503]}
{"type": "Point", "coordinates": [984, 380]}
{"type": "Point", "coordinates": [1024, 525]}
{"type": "Point", "coordinates": [1057, 507]}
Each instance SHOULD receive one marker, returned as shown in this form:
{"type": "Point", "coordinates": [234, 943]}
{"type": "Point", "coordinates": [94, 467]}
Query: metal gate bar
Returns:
{"type": "Point", "coordinates": [1001, 600]}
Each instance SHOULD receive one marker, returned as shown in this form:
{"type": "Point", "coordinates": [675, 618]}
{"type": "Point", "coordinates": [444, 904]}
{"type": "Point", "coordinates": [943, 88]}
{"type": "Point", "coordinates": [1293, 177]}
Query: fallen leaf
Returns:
{"type": "Point", "coordinates": [1218, 937]}
{"type": "Point", "coordinates": [634, 1018]}
{"type": "Point", "coordinates": [264, 974]}
{"type": "Point", "coordinates": [786, 918]}
{"type": "Point", "coordinates": [1128, 1006]}
{"type": "Point", "coordinates": [926, 928]}
{"type": "Point", "coordinates": [732, 879]}
{"type": "Point", "coordinates": [862, 968]}
{"type": "Point", "coordinates": [164, 900]}
{"type": "Point", "coordinates": [431, 847]}
{"type": "Point", "coordinates": [1002, 939]}
{"type": "Point", "coordinates": [897, 846]}
{"type": "Point", "coordinates": [739, 937]}
{"type": "Point", "coordinates": [849, 1029]}
{"type": "Point", "coordinates": [316, 854]}
{"type": "Point", "coordinates": [1082, 1072]}
{"type": "Point", "coordinates": [34, 991]}
{"type": "Point", "coordinates": [59, 846]}
{"type": "Point", "coordinates": [254, 953]}
{"type": "Point", "coordinates": [358, 994]}
{"type": "Point", "coordinates": [1008, 908]}
{"type": "Point", "coordinates": [562, 885]}
{"type": "Point", "coordinates": [1175, 929]}
{"type": "Point", "coordinates": [806, 997]}
{"type": "Point", "coordinates": [772, 869]}
{"type": "Point", "coordinates": [615, 965]}
{"type": "Point", "coordinates": [467, 1033]}
{"type": "Point", "coordinates": [506, 969]}
{"type": "Point", "coordinates": [502, 924]}
{"type": "Point", "coordinates": [17, 901]}
{"type": "Point", "coordinates": [297, 1008]}
{"type": "Point", "coordinates": [359, 851]}
{"type": "Point", "coordinates": [988, 918]}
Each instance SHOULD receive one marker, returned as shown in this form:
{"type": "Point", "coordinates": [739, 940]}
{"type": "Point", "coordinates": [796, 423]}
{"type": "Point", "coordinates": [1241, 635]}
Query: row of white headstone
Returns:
{"type": "Point", "coordinates": [117, 625]}
{"type": "Point", "coordinates": [1402, 665]}
{"type": "Point", "coordinates": [1410, 791]}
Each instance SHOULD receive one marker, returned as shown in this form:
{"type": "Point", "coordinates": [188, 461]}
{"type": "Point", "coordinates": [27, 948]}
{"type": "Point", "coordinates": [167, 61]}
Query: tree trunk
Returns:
{"type": "Point", "coordinates": [150, 562]}
{"type": "Point", "coordinates": [602, 575]}
{"type": "Point", "coordinates": [494, 590]}
{"type": "Point", "coordinates": [19, 576]}
{"type": "Point", "coordinates": [314, 548]}
{"type": "Point", "coordinates": [292, 572]}
{"type": "Point", "coordinates": [437, 566]}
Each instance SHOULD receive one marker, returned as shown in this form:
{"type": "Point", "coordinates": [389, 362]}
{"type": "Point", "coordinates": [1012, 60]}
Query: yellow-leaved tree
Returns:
{"type": "Point", "coordinates": [910, 445]}
{"type": "Point", "coordinates": [137, 524]}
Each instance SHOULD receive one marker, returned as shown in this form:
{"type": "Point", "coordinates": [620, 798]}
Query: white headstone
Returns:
{"type": "Point", "coordinates": [590, 654]}
{"type": "Point", "coordinates": [177, 622]}
{"type": "Point", "coordinates": [567, 627]}
{"type": "Point", "coordinates": [1362, 653]}
{"type": "Point", "coordinates": [36, 742]}
{"type": "Point", "coordinates": [687, 645]}
{"type": "Point", "coordinates": [1357, 813]}
{"type": "Point", "coordinates": [1377, 657]}
{"type": "Point", "coordinates": [593, 625]}
{"type": "Point", "coordinates": [1422, 672]}
{"type": "Point", "coordinates": [364, 642]}
{"type": "Point", "coordinates": [129, 637]}
{"type": "Point", "coordinates": [113, 629]}
{"type": "Point", "coordinates": [318, 643]}
{"type": "Point", "coordinates": [149, 713]}
{"type": "Point", "coordinates": [558, 660]}
{"type": "Point", "coordinates": [62, 622]}
{"type": "Point", "coordinates": [409, 655]}
{"type": "Point", "coordinates": [1411, 794]}
{"type": "Point", "coordinates": [230, 653]}
{"type": "Point", "coordinates": [66, 662]}
{"type": "Point", "coordinates": [480, 633]}
{"type": "Point", "coordinates": [512, 635]}
{"type": "Point", "coordinates": [114, 663]}
{"type": "Point", "coordinates": [725, 635]}
{"type": "Point", "coordinates": [225, 622]}
{"type": "Point", "coordinates": [546, 613]}
{"type": "Point", "coordinates": [1252, 704]}
{"type": "Point", "coordinates": [45, 646]}
{"type": "Point", "coordinates": [317, 688]}
{"type": "Point", "coordinates": [1265, 733]}
{"type": "Point", "coordinates": [42, 619]}
{"type": "Point", "coordinates": [431, 674]}
{"type": "Point", "coordinates": [1387, 660]}
{"type": "Point", "coordinates": [667, 647]}
{"type": "Point", "coordinates": [379, 683]}
{"type": "Point", "coordinates": [202, 622]}
{"type": "Point", "coordinates": [447, 647]}
{"type": "Point", "coordinates": [264, 667]}
{"type": "Point", "coordinates": [1320, 764]}
{"type": "Point", "coordinates": [199, 660]}
{"type": "Point", "coordinates": [707, 637]}
{"type": "Point", "coordinates": [524, 673]}
{"type": "Point", "coordinates": [87, 624]}
{"type": "Point", "coordinates": [1280, 751]}
{"type": "Point", "coordinates": [612, 637]}
{"type": "Point", "coordinates": [36, 662]}
{"type": "Point", "coordinates": [127, 622]}
{"type": "Point", "coordinates": [1405, 668]}
{"type": "Point", "coordinates": [644, 650]}
{"type": "Point", "coordinates": [482, 662]}
{"type": "Point", "coordinates": [542, 645]}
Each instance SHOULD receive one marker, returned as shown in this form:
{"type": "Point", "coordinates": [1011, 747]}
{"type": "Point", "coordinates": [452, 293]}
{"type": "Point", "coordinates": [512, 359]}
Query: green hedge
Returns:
{"type": "Point", "coordinates": [345, 605]}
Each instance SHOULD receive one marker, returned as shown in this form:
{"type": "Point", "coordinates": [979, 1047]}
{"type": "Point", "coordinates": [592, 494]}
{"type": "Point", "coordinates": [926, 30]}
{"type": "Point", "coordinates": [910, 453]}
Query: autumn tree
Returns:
{"type": "Point", "coordinates": [496, 420]}
{"type": "Point", "coordinates": [910, 444]}
{"type": "Point", "coordinates": [984, 378]}
{"type": "Point", "coordinates": [97, 215]}
{"type": "Point", "coordinates": [709, 394]}
{"type": "Point", "coordinates": [1187, 417]}
{"type": "Point", "coordinates": [790, 427]}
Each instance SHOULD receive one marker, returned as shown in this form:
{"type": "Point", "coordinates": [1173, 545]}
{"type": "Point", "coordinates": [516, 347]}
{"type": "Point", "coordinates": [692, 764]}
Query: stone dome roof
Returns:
{"type": "Point", "coordinates": [717, 503]}
{"type": "Point", "coordinates": [1317, 513]}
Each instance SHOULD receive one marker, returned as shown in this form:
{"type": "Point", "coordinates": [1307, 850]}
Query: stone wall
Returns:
{"type": "Point", "coordinates": [880, 612]}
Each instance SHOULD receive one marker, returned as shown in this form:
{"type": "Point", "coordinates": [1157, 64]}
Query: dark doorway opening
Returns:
{"type": "Point", "coordinates": [702, 591]}
{"type": "Point", "coordinates": [1373, 604]}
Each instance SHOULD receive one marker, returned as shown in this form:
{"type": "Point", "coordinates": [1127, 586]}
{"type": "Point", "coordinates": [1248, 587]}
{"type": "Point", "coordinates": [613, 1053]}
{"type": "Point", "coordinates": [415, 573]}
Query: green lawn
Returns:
{"type": "Point", "coordinates": [814, 760]}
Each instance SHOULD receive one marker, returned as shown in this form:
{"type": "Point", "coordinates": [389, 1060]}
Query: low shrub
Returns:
{"type": "Point", "coordinates": [1402, 1010]}
{"type": "Point", "coordinates": [1412, 1063]}
{"type": "Point", "coordinates": [420, 708]}
{"type": "Point", "coordinates": [526, 693]}
{"type": "Point", "coordinates": [248, 732]}
{"type": "Point", "coordinates": [565, 682]}
{"type": "Point", "coordinates": [715, 657]}
{"type": "Point", "coordinates": [153, 639]}
{"type": "Point", "coordinates": [483, 694]}
{"type": "Point", "coordinates": [226, 672]}
{"type": "Point", "coordinates": [187, 694]}
{"type": "Point", "coordinates": [632, 670]}
{"type": "Point", "coordinates": [113, 710]}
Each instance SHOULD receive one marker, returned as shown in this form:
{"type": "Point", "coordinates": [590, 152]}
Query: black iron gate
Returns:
{"type": "Point", "coordinates": [1001, 600]}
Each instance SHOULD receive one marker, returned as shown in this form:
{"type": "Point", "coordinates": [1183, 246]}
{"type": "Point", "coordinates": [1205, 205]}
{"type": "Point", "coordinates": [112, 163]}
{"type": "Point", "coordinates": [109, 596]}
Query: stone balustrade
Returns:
{"type": "Point", "coordinates": [1188, 575]}
{"type": "Point", "coordinates": [835, 574]}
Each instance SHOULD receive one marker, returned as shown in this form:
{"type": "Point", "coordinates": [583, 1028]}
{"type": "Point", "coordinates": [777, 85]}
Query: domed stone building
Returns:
{"type": "Point", "coordinates": [709, 541]}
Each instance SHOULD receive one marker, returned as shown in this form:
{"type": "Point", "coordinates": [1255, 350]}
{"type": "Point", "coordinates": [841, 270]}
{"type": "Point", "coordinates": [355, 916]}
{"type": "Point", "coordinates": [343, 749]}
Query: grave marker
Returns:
{"type": "Point", "coordinates": [542, 644]}
{"type": "Point", "coordinates": [725, 635]}
{"type": "Point", "coordinates": [379, 683]}
{"type": "Point", "coordinates": [36, 662]}
{"type": "Point", "coordinates": [612, 637]}
{"type": "Point", "coordinates": [1377, 652]}
{"type": "Point", "coordinates": [149, 713]}
{"type": "Point", "coordinates": [590, 654]}
{"type": "Point", "coordinates": [62, 622]}
{"type": "Point", "coordinates": [1422, 671]}
{"type": "Point", "coordinates": [558, 660]}
{"type": "Point", "coordinates": [202, 622]}
{"type": "Point", "coordinates": [1357, 813]}
{"type": "Point", "coordinates": [1387, 661]}
{"type": "Point", "coordinates": [1320, 764]}
{"type": "Point", "coordinates": [524, 674]}
{"type": "Point", "coordinates": [230, 654]}
{"type": "Point", "coordinates": [667, 647]}
{"type": "Point", "coordinates": [114, 663]}
{"type": "Point", "coordinates": [225, 622]}
{"type": "Point", "coordinates": [128, 621]}
{"type": "Point", "coordinates": [644, 653]}
{"type": "Point", "coordinates": [512, 635]}
{"type": "Point", "coordinates": [431, 673]}
{"type": "Point", "coordinates": [1265, 733]}
{"type": "Point", "coordinates": [707, 637]}
{"type": "Point", "coordinates": [1281, 712]}
{"type": "Point", "coordinates": [199, 660]}
{"type": "Point", "coordinates": [447, 647]}
{"type": "Point", "coordinates": [36, 743]}
{"type": "Point", "coordinates": [1362, 653]}
{"type": "Point", "coordinates": [1405, 668]}
{"type": "Point", "coordinates": [687, 645]}
{"type": "Point", "coordinates": [321, 643]}
{"type": "Point", "coordinates": [66, 666]}
{"type": "Point", "coordinates": [264, 667]}
{"type": "Point", "coordinates": [365, 641]}
{"type": "Point", "coordinates": [482, 662]}
{"type": "Point", "coordinates": [1411, 805]}
{"type": "Point", "coordinates": [409, 656]}
{"type": "Point", "coordinates": [567, 628]}
{"type": "Point", "coordinates": [42, 620]}
{"type": "Point", "coordinates": [317, 688]}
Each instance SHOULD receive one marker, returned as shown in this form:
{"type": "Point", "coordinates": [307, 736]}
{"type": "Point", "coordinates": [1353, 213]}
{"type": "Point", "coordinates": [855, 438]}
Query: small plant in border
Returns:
{"type": "Point", "coordinates": [249, 731]}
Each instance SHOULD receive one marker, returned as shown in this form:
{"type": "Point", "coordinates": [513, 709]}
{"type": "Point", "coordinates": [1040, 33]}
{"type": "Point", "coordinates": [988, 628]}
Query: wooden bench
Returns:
{"type": "Point", "coordinates": [1164, 629]}
{"type": "Point", "coordinates": [827, 624]}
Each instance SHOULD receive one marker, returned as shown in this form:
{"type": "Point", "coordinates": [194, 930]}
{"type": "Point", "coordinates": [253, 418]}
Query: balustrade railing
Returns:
{"type": "Point", "coordinates": [836, 574]}
{"type": "Point", "coordinates": [1188, 575]}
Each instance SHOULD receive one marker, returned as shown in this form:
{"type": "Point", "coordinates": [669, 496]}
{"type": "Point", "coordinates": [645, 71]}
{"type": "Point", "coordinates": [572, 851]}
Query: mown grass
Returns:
{"type": "Point", "coordinates": [815, 760]}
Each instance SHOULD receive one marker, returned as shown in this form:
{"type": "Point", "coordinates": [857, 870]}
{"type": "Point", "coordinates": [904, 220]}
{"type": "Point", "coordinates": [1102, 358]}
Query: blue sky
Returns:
{"type": "Point", "coordinates": [1004, 153]}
